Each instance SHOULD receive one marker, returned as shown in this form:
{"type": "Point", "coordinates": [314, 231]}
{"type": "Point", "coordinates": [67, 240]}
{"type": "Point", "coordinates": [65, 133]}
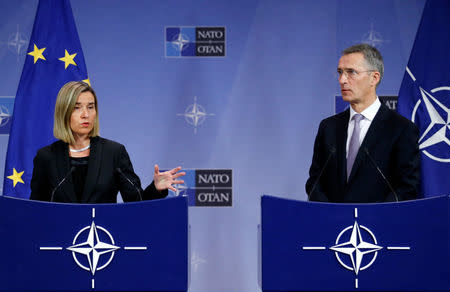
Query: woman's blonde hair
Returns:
{"type": "Point", "coordinates": [65, 103]}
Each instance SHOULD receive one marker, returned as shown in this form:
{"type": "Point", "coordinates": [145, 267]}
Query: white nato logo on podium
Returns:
{"type": "Point", "coordinates": [356, 248]}
{"type": "Point", "coordinates": [93, 248]}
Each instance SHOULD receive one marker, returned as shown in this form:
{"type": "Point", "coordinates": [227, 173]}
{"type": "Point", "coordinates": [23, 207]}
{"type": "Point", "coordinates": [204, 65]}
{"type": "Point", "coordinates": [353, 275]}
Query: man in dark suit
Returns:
{"type": "Point", "coordinates": [351, 145]}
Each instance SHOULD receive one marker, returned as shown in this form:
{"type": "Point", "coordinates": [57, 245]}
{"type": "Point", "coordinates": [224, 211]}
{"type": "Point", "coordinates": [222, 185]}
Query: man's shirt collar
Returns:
{"type": "Point", "coordinates": [370, 112]}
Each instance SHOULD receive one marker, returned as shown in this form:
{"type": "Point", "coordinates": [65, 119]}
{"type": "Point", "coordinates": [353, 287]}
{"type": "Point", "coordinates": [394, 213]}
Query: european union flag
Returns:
{"type": "Point", "coordinates": [424, 96]}
{"type": "Point", "coordinates": [54, 57]}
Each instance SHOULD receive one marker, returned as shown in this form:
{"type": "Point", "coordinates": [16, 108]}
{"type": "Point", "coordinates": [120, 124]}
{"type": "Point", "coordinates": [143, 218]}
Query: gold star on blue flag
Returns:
{"type": "Point", "coordinates": [54, 35]}
{"type": "Point", "coordinates": [16, 177]}
{"type": "Point", "coordinates": [37, 53]}
{"type": "Point", "coordinates": [68, 59]}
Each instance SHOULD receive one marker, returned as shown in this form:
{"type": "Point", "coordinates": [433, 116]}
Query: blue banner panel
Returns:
{"type": "Point", "coordinates": [104, 247]}
{"type": "Point", "coordinates": [355, 247]}
{"type": "Point", "coordinates": [424, 96]}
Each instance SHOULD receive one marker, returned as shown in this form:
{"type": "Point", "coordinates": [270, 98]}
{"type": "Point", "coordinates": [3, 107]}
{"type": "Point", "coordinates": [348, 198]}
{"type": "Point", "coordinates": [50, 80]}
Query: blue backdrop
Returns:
{"type": "Point", "coordinates": [264, 100]}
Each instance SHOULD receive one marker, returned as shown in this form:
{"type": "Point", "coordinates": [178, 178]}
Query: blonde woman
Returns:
{"type": "Point", "coordinates": [82, 167]}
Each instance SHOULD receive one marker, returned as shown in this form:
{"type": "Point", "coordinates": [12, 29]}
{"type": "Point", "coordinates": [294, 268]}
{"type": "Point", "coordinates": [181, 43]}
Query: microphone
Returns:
{"type": "Point", "coordinates": [332, 151]}
{"type": "Point", "coordinates": [380, 172]}
{"type": "Point", "coordinates": [61, 182]}
{"type": "Point", "coordinates": [137, 189]}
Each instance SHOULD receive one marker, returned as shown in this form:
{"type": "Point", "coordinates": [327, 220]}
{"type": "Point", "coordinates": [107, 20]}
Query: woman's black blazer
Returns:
{"type": "Point", "coordinates": [103, 180]}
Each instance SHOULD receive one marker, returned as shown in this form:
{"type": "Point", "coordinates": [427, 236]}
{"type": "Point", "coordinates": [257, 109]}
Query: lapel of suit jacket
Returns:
{"type": "Point", "coordinates": [341, 141]}
{"type": "Point", "coordinates": [63, 167]}
{"type": "Point", "coordinates": [372, 136]}
{"type": "Point", "coordinates": [93, 169]}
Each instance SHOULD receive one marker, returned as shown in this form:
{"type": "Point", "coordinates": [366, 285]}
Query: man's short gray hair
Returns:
{"type": "Point", "coordinates": [371, 55]}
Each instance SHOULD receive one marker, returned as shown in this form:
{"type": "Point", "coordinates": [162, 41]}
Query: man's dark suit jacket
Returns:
{"type": "Point", "coordinates": [103, 181]}
{"type": "Point", "coordinates": [392, 142]}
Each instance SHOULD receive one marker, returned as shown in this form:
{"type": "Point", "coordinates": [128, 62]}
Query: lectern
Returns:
{"type": "Point", "coordinates": [308, 246]}
{"type": "Point", "coordinates": [141, 246]}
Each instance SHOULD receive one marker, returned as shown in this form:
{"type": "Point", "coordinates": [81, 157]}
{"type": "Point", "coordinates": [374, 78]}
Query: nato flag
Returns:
{"type": "Point", "coordinates": [54, 57]}
{"type": "Point", "coordinates": [424, 96]}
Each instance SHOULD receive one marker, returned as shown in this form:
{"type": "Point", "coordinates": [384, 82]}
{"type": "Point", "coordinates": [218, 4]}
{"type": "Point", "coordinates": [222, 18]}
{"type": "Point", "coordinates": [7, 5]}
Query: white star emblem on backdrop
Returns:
{"type": "Point", "coordinates": [93, 248]}
{"type": "Point", "coordinates": [17, 42]}
{"type": "Point", "coordinates": [373, 38]}
{"type": "Point", "coordinates": [4, 115]}
{"type": "Point", "coordinates": [181, 190]}
{"type": "Point", "coordinates": [180, 42]}
{"type": "Point", "coordinates": [196, 261]}
{"type": "Point", "coordinates": [195, 114]}
{"type": "Point", "coordinates": [437, 130]}
{"type": "Point", "coordinates": [436, 119]}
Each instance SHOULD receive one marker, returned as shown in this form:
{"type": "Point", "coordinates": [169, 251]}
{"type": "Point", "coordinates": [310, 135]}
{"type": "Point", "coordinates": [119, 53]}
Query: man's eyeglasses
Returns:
{"type": "Point", "coordinates": [350, 73]}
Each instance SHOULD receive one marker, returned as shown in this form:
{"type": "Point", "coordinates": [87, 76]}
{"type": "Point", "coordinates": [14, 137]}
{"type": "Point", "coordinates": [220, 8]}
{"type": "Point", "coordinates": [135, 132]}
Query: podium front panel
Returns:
{"type": "Point", "coordinates": [309, 246]}
{"type": "Point", "coordinates": [138, 246]}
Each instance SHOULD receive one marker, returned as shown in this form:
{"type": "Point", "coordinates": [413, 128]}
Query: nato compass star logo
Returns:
{"type": "Point", "coordinates": [195, 114]}
{"type": "Point", "coordinates": [6, 110]}
{"type": "Point", "coordinates": [356, 248]}
{"type": "Point", "coordinates": [373, 38]}
{"type": "Point", "coordinates": [93, 248]}
{"type": "Point", "coordinates": [4, 115]}
{"type": "Point", "coordinates": [196, 261]}
{"type": "Point", "coordinates": [17, 42]}
{"type": "Point", "coordinates": [180, 42]}
{"type": "Point", "coordinates": [181, 190]}
{"type": "Point", "coordinates": [437, 132]}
